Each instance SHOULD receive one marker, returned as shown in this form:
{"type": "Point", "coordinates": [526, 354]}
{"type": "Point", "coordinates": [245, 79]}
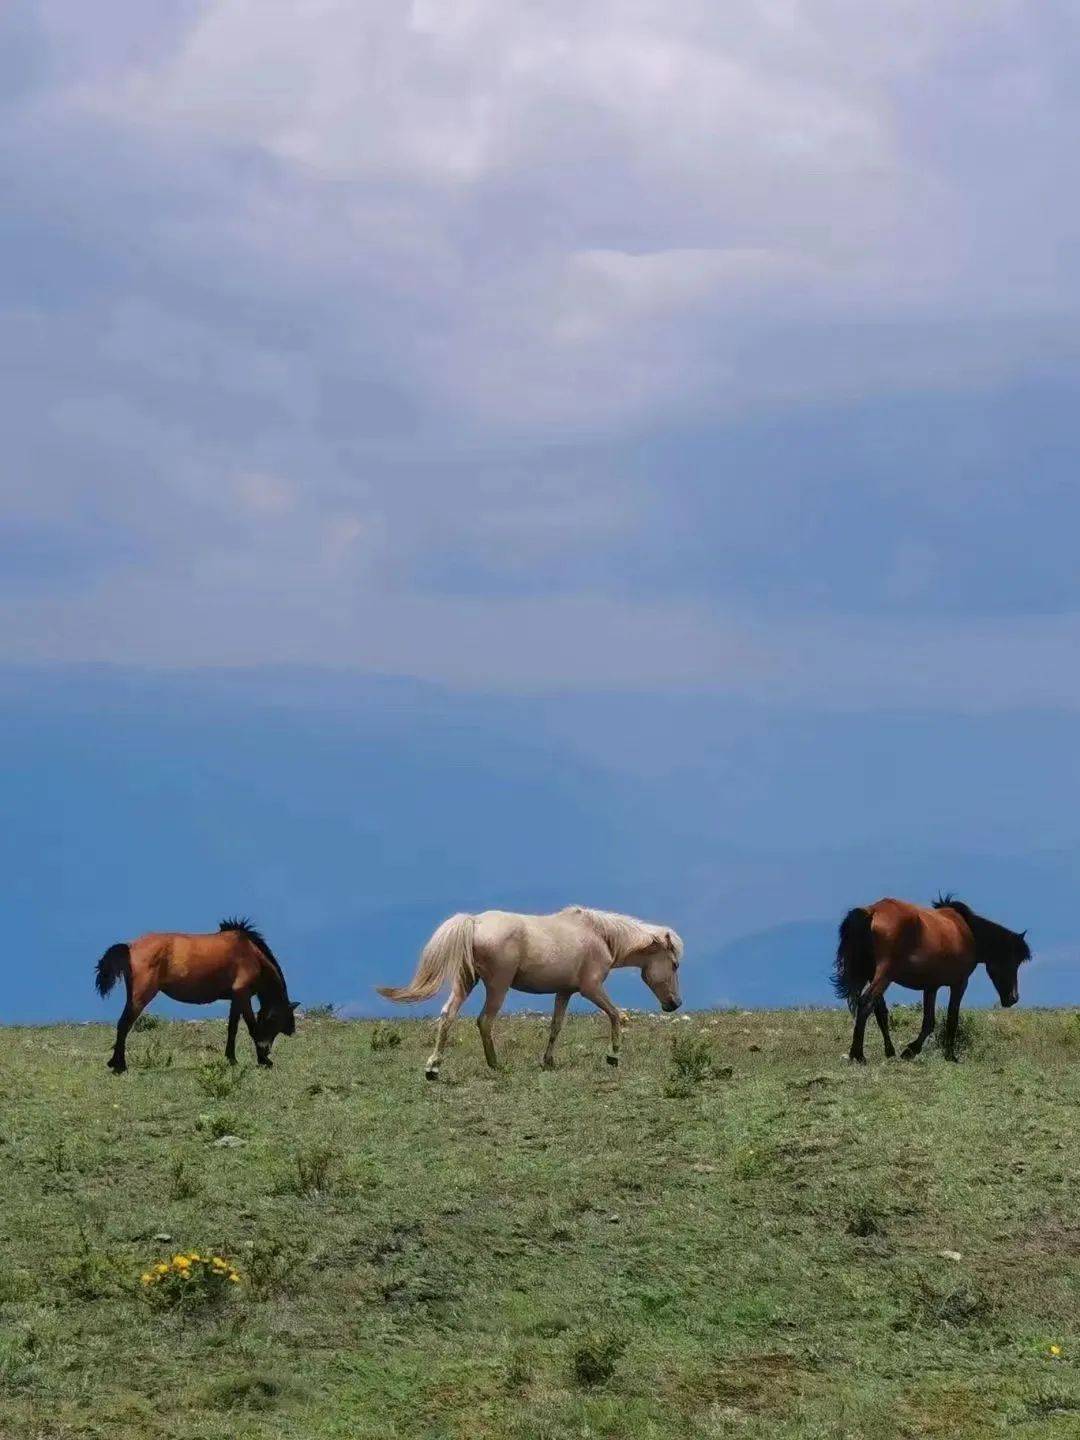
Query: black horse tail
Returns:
{"type": "Point", "coordinates": [854, 956]}
{"type": "Point", "coordinates": [114, 965]}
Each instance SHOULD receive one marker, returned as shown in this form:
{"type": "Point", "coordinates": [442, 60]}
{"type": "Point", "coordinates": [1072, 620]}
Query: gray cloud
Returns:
{"type": "Point", "coordinates": [553, 345]}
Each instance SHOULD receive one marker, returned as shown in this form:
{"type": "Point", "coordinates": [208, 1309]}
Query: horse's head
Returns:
{"type": "Point", "coordinates": [1003, 964]}
{"type": "Point", "coordinates": [660, 958]}
{"type": "Point", "coordinates": [273, 1020]}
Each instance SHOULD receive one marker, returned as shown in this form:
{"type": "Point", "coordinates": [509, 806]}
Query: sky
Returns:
{"type": "Point", "coordinates": [467, 453]}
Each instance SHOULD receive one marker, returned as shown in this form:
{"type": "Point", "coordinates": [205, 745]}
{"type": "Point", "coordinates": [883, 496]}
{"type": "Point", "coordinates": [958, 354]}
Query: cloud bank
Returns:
{"type": "Point", "coordinates": [640, 345]}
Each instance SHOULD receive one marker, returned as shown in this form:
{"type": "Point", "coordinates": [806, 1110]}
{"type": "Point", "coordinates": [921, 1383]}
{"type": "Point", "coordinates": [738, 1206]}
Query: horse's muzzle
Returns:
{"type": "Point", "coordinates": [1008, 1002]}
{"type": "Point", "coordinates": [670, 1005]}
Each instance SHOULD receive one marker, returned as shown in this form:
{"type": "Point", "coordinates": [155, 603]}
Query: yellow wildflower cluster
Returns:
{"type": "Point", "coordinates": [192, 1266]}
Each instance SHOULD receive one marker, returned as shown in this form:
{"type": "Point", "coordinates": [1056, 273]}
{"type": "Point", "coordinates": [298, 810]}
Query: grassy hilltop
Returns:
{"type": "Point", "coordinates": [673, 1249]}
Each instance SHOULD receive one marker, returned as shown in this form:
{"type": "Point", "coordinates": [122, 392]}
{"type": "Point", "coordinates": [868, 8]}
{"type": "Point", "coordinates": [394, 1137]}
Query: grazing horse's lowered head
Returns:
{"type": "Point", "coordinates": [654, 949]}
{"type": "Point", "coordinates": [1002, 951]}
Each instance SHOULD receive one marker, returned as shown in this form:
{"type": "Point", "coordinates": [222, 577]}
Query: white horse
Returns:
{"type": "Point", "coordinates": [571, 952]}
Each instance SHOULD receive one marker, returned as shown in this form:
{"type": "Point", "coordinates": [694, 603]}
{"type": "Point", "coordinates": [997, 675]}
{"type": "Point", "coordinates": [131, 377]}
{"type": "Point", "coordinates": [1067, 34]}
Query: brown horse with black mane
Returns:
{"type": "Point", "coordinates": [893, 940]}
{"type": "Point", "coordinates": [234, 964]}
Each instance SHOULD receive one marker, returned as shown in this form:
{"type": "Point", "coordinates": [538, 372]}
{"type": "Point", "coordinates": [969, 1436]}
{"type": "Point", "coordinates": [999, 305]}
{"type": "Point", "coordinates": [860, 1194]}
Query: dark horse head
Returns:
{"type": "Point", "coordinates": [277, 1013]}
{"type": "Point", "coordinates": [1002, 951]}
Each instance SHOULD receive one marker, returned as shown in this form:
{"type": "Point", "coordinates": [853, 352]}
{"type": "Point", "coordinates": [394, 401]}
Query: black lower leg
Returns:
{"type": "Point", "coordinates": [881, 1015]}
{"type": "Point", "coordinates": [862, 1014]}
{"type": "Point", "coordinates": [118, 1060]}
{"type": "Point", "coordinates": [952, 1020]}
{"type": "Point", "coordinates": [230, 1037]}
{"type": "Point", "coordinates": [929, 1003]}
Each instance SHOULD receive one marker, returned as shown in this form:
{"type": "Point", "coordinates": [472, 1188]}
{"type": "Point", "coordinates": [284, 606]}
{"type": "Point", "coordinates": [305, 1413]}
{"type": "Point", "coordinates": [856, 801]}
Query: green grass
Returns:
{"type": "Point", "coordinates": [740, 1239]}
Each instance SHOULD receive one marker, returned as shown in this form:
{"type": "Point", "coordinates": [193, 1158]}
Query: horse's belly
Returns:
{"type": "Point", "coordinates": [193, 992]}
{"type": "Point", "coordinates": [540, 985]}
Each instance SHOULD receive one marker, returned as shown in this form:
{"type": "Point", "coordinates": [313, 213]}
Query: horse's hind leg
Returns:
{"type": "Point", "coordinates": [881, 1015]}
{"type": "Point", "coordinates": [868, 1003]}
{"type": "Point", "coordinates": [460, 992]}
{"type": "Point", "coordinates": [493, 1002]}
{"type": "Point", "coordinates": [929, 1002]}
{"type": "Point", "coordinates": [131, 1012]}
{"type": "Point", "coordinates": [558, 1015]}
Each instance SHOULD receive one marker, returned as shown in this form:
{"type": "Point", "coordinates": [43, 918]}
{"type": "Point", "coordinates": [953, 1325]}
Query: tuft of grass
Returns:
{"type": "Point", "coordinates": [216, 1123]}
{"type": "Point", "coordinates": [184, 1184]}
{"type": "Point", "coordinates": [595, 1357]}
{"type": "Point", "coordinates": [385, 1036]}
{"type": "Point", "coordinates": [316, 1168]}
{"type": "Point", "coordinates": [692, 1063]}
{"type": "Point", "coordinates": [250, 1391]}
{"type": "Point", "coordinates": [218, 1080]}
{"type": "Point", "coordinates": [146, 1021]}
{"type": "Point", "coordinates": [275, 1264]}
{"type": "Point", "coordinates": [154, 1054]}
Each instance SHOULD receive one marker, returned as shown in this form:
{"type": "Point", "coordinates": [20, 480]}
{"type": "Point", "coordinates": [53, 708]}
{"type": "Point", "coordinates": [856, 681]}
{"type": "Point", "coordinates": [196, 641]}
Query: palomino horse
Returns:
{"type": "Point", "coordinates": [571, 952]}
{"type": "Point", "coordinates": [923, 950]}
{"type": "Point", "coordinates": [232, 965]}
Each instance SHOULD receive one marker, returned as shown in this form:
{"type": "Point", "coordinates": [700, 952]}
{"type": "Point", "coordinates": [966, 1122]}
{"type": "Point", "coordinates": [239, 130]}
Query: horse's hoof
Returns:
{"type": "Point", "coordinates": [908, 1053]}
{"type": "Point", "coordinates": [890, 1054]}
{"type": "Point", "coordinates": [856, 1059]}
{"type": "Point", "coordinates": [546, 1064]}
{"type": "Point", "coordinates": [431, 1074]}
{"type": "Point", "coordinates": [612, 1059]}
{"type": "Point", "coordinates": [266, 1062]}
{"type": "Point", "coordinates": [116, 1069]}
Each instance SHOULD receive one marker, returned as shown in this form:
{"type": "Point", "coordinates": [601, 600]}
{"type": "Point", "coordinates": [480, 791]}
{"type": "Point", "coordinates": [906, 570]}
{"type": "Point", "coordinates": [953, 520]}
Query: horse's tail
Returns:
{"type": "Point", "coordinates": [114, 965]}
{"type": "Point", "coordinates": [854, 956]}
{"type": "Point", "coordinates": [448, 955]}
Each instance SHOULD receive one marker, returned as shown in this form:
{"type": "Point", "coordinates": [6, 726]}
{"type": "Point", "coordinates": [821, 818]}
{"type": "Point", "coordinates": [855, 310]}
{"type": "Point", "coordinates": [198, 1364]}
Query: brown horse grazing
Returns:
{"type": "Point", "coordinates": [893, 940]}
{"type": "Point", "coordinates": [232, 965]}
{"type": "Point", "coordinates": [569, 953]}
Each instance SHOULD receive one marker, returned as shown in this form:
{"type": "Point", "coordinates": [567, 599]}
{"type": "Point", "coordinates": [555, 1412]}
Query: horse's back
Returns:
{"type": "Point", "coordinates": [920, 945]}
{"type": "Point", "coordinates": [187, 965]}
{"type": "Point", "coordinates": [537, 952]}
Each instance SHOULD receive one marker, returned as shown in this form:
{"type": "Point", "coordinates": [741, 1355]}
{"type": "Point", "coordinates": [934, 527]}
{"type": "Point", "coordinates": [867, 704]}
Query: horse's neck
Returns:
{"type": "Point", "coordinates": [271, 986]}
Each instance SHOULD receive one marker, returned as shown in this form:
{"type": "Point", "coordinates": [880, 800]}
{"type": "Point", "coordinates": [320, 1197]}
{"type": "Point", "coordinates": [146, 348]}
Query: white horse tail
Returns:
{"type": "Point", "coordinates": [447, 956]}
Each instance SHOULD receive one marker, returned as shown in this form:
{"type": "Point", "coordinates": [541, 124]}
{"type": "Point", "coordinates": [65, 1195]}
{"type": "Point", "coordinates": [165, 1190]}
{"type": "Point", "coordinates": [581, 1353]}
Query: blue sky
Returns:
{"type": "Point", "coordinates": [645, 432]}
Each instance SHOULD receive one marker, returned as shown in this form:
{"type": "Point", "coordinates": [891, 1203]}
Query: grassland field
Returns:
{"type": "Point", "coordinates": [734, 1234]}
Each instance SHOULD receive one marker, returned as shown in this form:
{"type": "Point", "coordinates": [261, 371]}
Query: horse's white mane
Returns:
{"type": "Point", "coordinates": [624, 933]}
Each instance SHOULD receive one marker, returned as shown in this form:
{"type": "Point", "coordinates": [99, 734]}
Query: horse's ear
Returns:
{"type": "Point", "coordinates": [669, 942]}
{"type": "Point", "coordinates": [1023, 934]}
{"type": "Point", "coordinates": [294, 1005]}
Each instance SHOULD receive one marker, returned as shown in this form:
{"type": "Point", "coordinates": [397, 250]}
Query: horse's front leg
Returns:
{"type": "Point", "coordinates": [493, 1003]}
{"type": "Point", "coordinates": [262, 1049]}
{"type": "Point", "coordinates": [458, 995]}
{"type": "Point", "coordinates": [558, 1015]}
{"type": "Point", "coordinates": [952, 1019]}
{"type": "Point", "coordinates": [230, 1035]}
{"type": "Point", "coordinates": [595, 992]}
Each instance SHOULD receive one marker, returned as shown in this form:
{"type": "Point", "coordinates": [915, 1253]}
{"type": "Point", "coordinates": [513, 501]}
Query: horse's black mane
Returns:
{"type": "Point", "coordinates": [244, 926]}
{"type": "Point", "coordinates": [949, 901]}
{"type": "Point", "coordinates": [990, 937]}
